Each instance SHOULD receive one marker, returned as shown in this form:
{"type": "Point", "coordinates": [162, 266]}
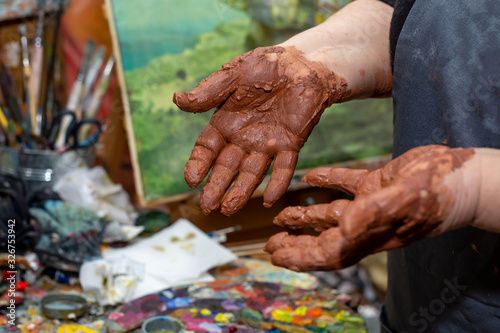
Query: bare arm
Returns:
{"type": "Point", "coordinates": [477, 191]}
{"type": "Point", "coordinates": [354, 44]}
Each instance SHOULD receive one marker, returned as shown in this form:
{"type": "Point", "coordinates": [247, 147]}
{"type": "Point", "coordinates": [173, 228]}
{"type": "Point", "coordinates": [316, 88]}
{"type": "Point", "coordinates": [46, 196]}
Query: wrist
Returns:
{"type": "Point", "coordinates": [475, 187]}
{"type": "Point", "coordinates": [346, 82]}
{"type": "Point", "coordinates": [488, 182]}
{"type": "Point", "coordinates": [462, 192]}
{"type": "Point", "coordinates": [353, 50]}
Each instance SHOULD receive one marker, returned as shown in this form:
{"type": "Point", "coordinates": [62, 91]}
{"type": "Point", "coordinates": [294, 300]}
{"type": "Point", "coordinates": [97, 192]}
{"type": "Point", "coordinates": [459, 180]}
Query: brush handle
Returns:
{"type": "Point", "coordinates": [62, 134]}
{"type": "Point", "coordinates": [95, 104]}
{"type": "Point", "coordinates": [30, 100]}
{"type": "Point", "coordinates": [75, 96]}
{"type": "Point", "coordinates": [71, 105]}
{"type": "Point", "coordinates": [36, 70]}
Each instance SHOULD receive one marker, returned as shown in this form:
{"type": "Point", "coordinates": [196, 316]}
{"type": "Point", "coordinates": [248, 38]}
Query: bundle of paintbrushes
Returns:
{"type": "Point", "coordinates": [33, 117]}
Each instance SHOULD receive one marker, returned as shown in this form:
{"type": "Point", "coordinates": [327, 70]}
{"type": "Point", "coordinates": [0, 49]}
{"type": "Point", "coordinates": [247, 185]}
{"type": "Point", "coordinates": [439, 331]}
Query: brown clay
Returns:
{"type": "Point", "coordinates": [405, 201]}
{"type": "Point", "coordinates": [268, 101]}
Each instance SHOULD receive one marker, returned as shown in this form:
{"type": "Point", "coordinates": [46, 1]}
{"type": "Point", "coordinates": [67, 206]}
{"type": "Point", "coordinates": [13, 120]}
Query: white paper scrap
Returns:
{"type": "Point", "coordinates": [177, 254]}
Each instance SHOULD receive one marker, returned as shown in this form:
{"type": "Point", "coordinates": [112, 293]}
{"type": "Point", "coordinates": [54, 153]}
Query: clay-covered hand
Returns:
{"type": "Point", "coordinates": [420, 194]}
{"type": "Point", "coordinates": [268, 101]}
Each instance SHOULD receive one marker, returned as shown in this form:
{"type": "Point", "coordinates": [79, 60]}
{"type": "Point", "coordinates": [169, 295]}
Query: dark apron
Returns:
{"type": "Point", "coordinates": [447, 91]}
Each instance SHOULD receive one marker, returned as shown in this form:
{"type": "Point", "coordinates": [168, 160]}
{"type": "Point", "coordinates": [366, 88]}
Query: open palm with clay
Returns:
{"type": "Point", "coordinates": [268, 101]}
{"type": "Point", "coordinates": [412, 197]}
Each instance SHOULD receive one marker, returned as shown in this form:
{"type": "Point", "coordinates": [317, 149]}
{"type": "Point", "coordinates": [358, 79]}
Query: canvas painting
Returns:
{"type": "Point", "coordinates": [165, 46]}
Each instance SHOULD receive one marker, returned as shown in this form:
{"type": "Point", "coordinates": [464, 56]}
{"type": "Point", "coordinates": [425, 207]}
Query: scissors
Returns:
{"type": "Point", "coordinates": [72, 136]}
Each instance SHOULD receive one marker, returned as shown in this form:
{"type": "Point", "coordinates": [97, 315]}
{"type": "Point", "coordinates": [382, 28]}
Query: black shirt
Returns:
{"type": "Point", "coordinates": [401, 10]}
{"type": "Point", "coordinates": [446, 90]}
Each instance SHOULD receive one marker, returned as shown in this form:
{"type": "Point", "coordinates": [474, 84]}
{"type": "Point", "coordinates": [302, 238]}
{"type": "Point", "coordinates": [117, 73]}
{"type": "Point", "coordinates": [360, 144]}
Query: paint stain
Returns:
{"type": "Point", "coordinates": [185, 242]}
{"type": "Point", "coordinates": [187, 246]}
{"type": "Point", "coordinates": [71, 328]}
{"type": "Point", "coordinates": [282, 315]}
{"type": "Point", "coordinates": [224, 318]}
{"type": "Point", "coordinates": [158, 248]}
{"type": "Point", "coordinates": [475, 248]}
{"type": "Point", "coordinates": [189, 236]}
{"type": "Point", "coordinates": [301, 311]}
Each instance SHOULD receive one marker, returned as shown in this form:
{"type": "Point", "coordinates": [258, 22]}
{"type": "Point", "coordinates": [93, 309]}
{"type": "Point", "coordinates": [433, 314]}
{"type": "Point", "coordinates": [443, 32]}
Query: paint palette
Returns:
{"type": "Point", "coordinates": [247, 269]}
{"type": "Point", "coordinates": [244, 307]}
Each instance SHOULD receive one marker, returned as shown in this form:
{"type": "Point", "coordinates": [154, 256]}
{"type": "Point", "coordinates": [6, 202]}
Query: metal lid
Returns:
{"type": "Point", "coordinates": [61, 306]}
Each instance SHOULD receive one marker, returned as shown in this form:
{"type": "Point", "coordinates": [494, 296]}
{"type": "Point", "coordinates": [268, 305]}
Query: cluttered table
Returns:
{"type": "Point", "coordinates": [246, 295]}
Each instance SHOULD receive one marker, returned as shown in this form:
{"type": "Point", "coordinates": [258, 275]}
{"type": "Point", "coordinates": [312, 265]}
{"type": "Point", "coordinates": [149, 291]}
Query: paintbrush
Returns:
{"type": "Point", "coordinates": [28, 91]}
{"type": "Point", "coordinates": [93, 71]}
{"type": "Point", "coordinates": [98, 96]}
{"type": "Point", "coordinates": [11, 98]}
{"type": "Point", "coordinates": [37, 69]}
{"type": "Point", "coordinates": [47, 104]}
{"type": "Point", "coordinates": [74, 97]}
{"type": "Point", "coordinates": [76, 91]}
{"type": "Point", "coordinates": [8, 128]}
{"type": "Point", "coordinates": [4, 123]}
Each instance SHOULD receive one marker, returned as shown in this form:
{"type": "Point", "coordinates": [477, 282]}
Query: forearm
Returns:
{"type": "Point", "coordinates": [354, 44]}
{"type": "Point", "coordinates": [488, 215]}
{"type": "Point", "coordinates": [476, 186]}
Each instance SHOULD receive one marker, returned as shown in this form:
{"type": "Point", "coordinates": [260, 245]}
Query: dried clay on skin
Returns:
{"type": "Point", "coordinates": [268, 101]}
{"type": "Point", "coordinates": [403, 202]}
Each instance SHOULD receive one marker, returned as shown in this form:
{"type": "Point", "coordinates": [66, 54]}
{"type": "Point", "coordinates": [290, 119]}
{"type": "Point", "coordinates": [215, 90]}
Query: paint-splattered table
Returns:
{"type": "Point", "coordinates": [248, 296]}
{"type": "Point", "coordinates": [241, 307]}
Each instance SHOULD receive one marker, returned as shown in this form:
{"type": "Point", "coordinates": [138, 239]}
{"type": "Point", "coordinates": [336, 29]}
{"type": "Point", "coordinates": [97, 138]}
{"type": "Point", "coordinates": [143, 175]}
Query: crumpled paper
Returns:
{"type": "Point", "coordinates": [94, 190]}
{"type": "Point", "coordinates": [116, 232]}
{"type": "Point", "coordinates": [179, 254]}
{"type": "Point", "coordinates": [111, 281]}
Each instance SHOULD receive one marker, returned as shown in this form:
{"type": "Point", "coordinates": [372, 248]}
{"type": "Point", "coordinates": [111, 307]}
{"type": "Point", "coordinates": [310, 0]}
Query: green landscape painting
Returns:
{"type": "Point", "coordinates": [171, 45]}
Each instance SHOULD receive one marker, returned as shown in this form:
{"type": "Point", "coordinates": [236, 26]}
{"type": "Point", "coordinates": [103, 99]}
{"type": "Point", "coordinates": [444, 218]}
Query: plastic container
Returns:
{"type": "Point", "coordinates": [162, 324]}
{"type": "Point", "coordinates": [41, 169]}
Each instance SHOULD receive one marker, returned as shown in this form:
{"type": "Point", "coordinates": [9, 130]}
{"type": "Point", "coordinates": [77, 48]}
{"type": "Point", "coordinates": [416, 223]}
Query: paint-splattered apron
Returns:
{"type": "Point", "coordinates": [447, 91]}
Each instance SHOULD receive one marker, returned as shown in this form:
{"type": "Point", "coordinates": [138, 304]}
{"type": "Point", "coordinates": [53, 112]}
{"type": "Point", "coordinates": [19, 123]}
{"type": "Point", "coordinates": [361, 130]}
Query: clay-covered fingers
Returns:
{"type": "Point", "coordinates": [252, 171]}
{"type": "Point", "coordinates": [309, 253]}
{"type": "Point", "coordinates": [320, 217]}
{"type": "Point", "coordinates": [222, 175]}
{"type": "Point", "coordinates": [284, 240]}
{"type": "Point", "coordinates": [207, 147]}
{"type": "Point", "coordinates": [343, 179]}
{"type": "Point", "coordinates": [210, 92]}
{"type": "Point", "coordinates": [281, 175]}
{"type": "Point", "coordinates": [383, 214]}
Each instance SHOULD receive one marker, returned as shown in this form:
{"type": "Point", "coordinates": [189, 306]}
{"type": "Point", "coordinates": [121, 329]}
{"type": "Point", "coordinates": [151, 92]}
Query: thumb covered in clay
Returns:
{"type": "Point", "coordinates": [210, 92]}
